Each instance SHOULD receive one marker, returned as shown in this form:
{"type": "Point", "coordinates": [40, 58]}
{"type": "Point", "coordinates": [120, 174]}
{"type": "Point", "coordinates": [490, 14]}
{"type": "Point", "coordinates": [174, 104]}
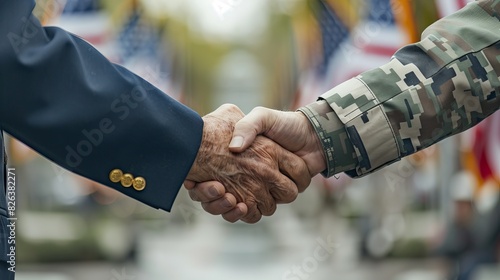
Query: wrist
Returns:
{"type": "Point", "coordinates": [208, 146]}
{"type": "Point", "coordinates": [194, 172]}
{"type": "Point", "coordinates": [316, 159]}
{"type": "Point", "coordinates": [318, 114]}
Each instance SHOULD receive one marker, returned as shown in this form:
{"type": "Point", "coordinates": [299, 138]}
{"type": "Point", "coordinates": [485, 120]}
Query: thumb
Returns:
{"type": "Point", "coordinates": [258, 121]}
{"type": "Point", "coordinates": [188, 184]}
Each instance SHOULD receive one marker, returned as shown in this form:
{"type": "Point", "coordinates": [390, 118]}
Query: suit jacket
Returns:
{"type": "Point", "coordinates": [65, 100]}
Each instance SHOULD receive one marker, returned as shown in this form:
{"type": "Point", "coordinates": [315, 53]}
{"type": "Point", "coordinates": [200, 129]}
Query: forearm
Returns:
{"type": "Point", "coordinates": [438, 87]}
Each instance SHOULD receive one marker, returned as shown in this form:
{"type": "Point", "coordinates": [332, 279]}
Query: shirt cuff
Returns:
{"type": "Point", "coordinates": [339, 152]}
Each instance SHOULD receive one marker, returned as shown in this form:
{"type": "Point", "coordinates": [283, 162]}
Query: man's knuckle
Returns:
{"type": "Point", "coordinates": [258, 109]}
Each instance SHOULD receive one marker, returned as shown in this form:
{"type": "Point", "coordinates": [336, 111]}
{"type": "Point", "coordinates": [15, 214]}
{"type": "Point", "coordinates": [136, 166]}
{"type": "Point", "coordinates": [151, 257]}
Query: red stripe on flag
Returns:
{"type": "Point", "coordinates": [380, 50]}
{"type": "Point", "coordinates": [462, 3]}
{"type": "Point", "coordinates": [480, 150]}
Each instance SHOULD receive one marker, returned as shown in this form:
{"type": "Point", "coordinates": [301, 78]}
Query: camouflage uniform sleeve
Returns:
{"type": "Point", "coordinates": [445, 84]}
{"type": "Point", "coordinates": [337, 146]}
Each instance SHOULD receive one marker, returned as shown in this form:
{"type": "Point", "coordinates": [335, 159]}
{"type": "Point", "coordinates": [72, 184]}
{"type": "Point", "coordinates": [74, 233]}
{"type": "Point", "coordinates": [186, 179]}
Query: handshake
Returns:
{"type": "Point", "coordinates": [246, 165]}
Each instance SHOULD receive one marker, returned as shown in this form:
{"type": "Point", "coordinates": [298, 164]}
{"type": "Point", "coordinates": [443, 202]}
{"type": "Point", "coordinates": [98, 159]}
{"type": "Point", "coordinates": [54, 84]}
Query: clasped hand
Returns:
{"type": "Point", "coordinates": [246, 165]}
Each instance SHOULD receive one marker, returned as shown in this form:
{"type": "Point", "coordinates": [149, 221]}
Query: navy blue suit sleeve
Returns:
{"type": "Point", "coordinates": [65, 100]}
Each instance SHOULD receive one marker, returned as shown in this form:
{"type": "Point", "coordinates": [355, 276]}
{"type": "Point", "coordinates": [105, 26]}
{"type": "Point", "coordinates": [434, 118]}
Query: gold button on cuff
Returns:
{"type": "Point", "coordinates": [127, 180]}
{"type": "Point", "coordinates": [115, 175]}
{"type": "Point", "coordinates": [139, 183]}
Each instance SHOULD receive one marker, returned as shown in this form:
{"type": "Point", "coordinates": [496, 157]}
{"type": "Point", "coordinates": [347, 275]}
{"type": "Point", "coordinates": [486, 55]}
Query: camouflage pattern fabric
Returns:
{"type": "Point", "coordinates": [440, 86]}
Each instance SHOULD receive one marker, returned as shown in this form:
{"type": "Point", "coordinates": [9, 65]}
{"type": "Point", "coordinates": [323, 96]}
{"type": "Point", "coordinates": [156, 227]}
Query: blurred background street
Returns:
{"type": "Point", "coordinates": [433, 215]}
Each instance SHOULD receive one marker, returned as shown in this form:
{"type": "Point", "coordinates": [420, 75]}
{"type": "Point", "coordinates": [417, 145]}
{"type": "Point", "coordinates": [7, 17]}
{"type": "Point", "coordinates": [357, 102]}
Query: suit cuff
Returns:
{"type": "Point", "coordinates": [339, 152]}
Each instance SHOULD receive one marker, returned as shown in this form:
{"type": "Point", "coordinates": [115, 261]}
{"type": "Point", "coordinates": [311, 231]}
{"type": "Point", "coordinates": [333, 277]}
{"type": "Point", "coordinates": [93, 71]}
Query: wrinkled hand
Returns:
{"type": "Point", "coordinates": [260, 176]}
{"type": "Point", "coordinates": [292, 130]}
{"type": "Point", "coordinates": [215, 200]}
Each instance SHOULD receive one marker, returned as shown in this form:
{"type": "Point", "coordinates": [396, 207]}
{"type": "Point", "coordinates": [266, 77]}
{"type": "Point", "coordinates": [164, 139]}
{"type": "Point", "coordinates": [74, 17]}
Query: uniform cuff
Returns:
{"type": "Point", "coordinates": [368, 128]}
{"type": "Point", "coordinates": [339, 152]}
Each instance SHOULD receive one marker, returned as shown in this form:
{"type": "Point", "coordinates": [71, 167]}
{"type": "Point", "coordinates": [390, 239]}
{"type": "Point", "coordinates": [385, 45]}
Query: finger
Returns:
{"type": "Point", "coordinates": [221, 205]}
{"type": "Point", "coordinates": [258, 121]}
{"type": "Point", "coordinates": [253, 215]}
{"type": "Point", "coordinates": [251, 219]}
{"type": "Point", "coordinates": [207, 191]}
{"type": "Point", "coordinates": [282, 189]}
{"type": "Point", "coordinates": [188, 184]}
{"type": "Point", "coordinates": [236, 213]}
{"type": "Point", "coordinates": [267, 204]}
{"type": "Point", "coordinates": [294, 167]}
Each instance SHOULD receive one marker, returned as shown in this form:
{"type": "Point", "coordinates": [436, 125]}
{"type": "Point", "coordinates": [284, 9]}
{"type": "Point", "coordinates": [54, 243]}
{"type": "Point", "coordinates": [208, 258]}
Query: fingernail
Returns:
{"type": "Point", "coordinates": [213, 192]}
{"type": "Point", "coordinates": [226, 203]}
{"type": "Point", "coordinates": [236, 142]}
